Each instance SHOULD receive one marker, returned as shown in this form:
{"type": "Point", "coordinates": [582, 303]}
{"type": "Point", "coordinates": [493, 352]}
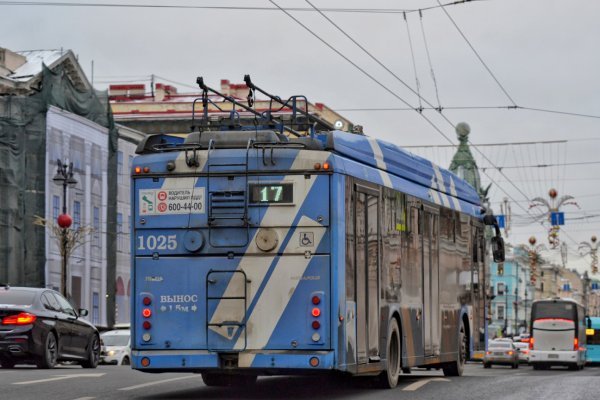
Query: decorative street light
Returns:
{"type": "Point", "coordinates": [64, 177]}
{"type": "Point", "coordinates": [533, 255]}
{"type": "Point", "coordinates": [586, 248]}
{"type": "Point", "coordinates": [555, 217]}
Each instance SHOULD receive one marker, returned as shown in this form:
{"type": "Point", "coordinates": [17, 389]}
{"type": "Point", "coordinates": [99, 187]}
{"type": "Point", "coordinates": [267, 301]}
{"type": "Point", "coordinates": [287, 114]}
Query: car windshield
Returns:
{"type": "Point", "coordinates": [17, 297]}
{"type": "Point", "coordinates": [500, 345]}
{"type": "Point", "coordinates": [115, 340]}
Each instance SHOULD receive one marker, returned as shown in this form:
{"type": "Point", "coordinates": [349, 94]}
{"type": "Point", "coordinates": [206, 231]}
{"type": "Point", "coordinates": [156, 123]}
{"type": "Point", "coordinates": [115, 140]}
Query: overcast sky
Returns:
{"type": "Point", "coordinates": [543, 53]}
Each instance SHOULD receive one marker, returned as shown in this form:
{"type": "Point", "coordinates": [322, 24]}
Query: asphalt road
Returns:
{"type": "Point", "coordinates": [115, 382]}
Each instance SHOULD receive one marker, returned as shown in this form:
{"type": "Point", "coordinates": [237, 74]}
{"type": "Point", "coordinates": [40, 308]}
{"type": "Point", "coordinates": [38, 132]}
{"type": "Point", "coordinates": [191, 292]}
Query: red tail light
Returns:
{"type": "Point", "coordinates": [531, 341]}
{"type": "Point", "coordinates": [316, 312]}
{"type": "Point", "coordinates": [575, 344]}
{"type": "Point", "coordinates": [19, 319]}
{"type": "Point", "coordinates": [146, 312]}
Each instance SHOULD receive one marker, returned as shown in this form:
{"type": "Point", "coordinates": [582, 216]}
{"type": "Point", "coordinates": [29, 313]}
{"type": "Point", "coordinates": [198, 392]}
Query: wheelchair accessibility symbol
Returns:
{"type": "Point", "coordinates": [307, 239]}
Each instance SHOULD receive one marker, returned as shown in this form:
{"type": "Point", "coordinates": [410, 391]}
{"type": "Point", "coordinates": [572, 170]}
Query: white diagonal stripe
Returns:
{"type": "Point", "coordinates": [378, 155]}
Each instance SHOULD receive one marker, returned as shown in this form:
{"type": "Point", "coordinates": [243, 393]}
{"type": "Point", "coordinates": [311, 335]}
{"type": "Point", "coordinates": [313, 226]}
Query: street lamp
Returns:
{"type": "Point", "coordinates": [553, 213]}
{"type": "Point", "coordinates": [64, 177]}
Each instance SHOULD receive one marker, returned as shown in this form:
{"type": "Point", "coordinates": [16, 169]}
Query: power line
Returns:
{"type": "Point", "coordinates": [476, 53]}
{"type": "Point", "coordinates": [515, 107]}
{"type": "Point", "coordinates": [435, 127]}
{"type": "Point", "coordinates": [228, 8]}
{"type": "Point", "coordinates": [491, 144]}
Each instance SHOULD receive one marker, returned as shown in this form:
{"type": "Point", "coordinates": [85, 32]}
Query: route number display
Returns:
{"type": "Point", "coordinates": [271, 193]}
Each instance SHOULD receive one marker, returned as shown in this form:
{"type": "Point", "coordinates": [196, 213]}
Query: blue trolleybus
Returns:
{"type": "Point", "coordinates": [593, 340]}
{"type": "Point", "coordinates": [259, 251]}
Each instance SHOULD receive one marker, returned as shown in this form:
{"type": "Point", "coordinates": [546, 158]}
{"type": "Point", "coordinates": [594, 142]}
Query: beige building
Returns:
{"type": "Point", "coordinates": [159, 108]}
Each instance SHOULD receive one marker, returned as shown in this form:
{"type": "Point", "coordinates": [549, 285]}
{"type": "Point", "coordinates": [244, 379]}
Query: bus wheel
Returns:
{"type": "Point", "coordinates": [388, 379]}
{"type": "Point", "coordinates": [457, 367]}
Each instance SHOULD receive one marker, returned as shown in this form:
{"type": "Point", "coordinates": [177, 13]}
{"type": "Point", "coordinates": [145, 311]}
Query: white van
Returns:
{"type": "Point", "coordinates": [115, 347]}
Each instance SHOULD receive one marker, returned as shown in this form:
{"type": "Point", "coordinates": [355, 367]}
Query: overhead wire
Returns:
{"type": "Point", "coordinates": [414, 63]}
{"type": "Point", "coordinates": [227, 8]}
{"type": "Point", "coordinates": [476, 53]}
{"type": "Point", "coordinates": [435, 127]}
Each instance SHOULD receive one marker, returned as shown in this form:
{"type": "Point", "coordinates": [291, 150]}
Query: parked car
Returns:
{"type": "Point", "coordinates": [115, 347]}
{"type": "Point", "coordinates": [523, 350]}
{"type": "Point", "coordinates": [501, 352]}
{"type": "Point", "coordinates": [39, 326]}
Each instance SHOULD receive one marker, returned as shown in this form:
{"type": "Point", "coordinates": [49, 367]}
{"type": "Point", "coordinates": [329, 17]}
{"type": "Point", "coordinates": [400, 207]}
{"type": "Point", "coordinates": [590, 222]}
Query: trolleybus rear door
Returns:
{"type": "Point", "coordinates": [367, 274]}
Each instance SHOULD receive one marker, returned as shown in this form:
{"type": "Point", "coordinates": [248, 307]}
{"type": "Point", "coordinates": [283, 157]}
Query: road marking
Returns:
{"type": "Point", "coordinates": [85, 398]}
{"type": "Point", "coordinates": [417, 385]}
{"type": "Point", "coordinates": [157, 382]}
{"type": "Point", "coordinates": [60, 377]}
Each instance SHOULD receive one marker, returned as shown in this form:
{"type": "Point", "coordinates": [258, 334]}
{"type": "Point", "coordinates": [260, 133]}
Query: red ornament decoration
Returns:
{"type": "Point", "coordinates": [64, 220]}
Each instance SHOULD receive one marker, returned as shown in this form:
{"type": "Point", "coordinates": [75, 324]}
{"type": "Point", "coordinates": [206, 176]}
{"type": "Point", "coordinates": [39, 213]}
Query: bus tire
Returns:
{"type": "Point", "coordinates": [456, 368]}
{"type": "Point", "coordinates": [388, 379]}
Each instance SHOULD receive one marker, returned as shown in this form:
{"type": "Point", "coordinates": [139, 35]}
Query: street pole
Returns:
{"type": "Point", "coordinates": [64, 177]}
{"type": "Point", "coordinates": [516, 295]}
{"type": "Point", "coordinates": [506, 311]}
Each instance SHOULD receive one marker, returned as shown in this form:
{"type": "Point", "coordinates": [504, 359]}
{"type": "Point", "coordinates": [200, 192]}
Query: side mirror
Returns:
{"type": "Point", "coordinates": [83, 312]}
{"type": "Point", "coordinates": [588, 322]}
{"type": "Point", "coordinates": [497, 249]}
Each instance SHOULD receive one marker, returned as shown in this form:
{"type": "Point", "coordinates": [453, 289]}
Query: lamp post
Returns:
{"type": "Point", "coordinates": [64, 177]}
{"type": "Point", "coordinates": [506, 290]}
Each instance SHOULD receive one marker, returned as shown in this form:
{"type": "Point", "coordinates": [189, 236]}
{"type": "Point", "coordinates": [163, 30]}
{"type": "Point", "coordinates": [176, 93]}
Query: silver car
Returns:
{"type": "Point", "coordinates": [501, 352]}
{"type": "Point", "coordinates": [115, 347]}
{"type": "Point", "coordinates": [523, 349]}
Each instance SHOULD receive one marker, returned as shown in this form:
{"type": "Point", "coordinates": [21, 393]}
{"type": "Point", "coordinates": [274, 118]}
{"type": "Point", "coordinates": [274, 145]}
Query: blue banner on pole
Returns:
{"type": "Point", "coordinates": [557, 218]}
{"type": "Point", "coordinates": [501, 221]}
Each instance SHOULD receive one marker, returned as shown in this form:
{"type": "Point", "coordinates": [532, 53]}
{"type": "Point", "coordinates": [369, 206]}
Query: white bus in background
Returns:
{"type": "Point", "coordinates": [557, 334]}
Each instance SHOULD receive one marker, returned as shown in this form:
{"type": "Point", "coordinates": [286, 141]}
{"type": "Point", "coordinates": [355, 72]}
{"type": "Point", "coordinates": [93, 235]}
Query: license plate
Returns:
{"type": "Point", "coordinates": [498, 354]}
{"type": "Point", "coordinates": [552, 355]}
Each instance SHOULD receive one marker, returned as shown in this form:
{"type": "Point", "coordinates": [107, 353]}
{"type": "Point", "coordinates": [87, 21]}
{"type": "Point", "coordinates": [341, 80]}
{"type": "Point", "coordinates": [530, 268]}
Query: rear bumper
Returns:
{"type": "Point", "coordinates": [256, 362]}
{"type": "Point", "coordinates": [556, 357]}
{"type": "Point", "coordinates": [17, 344]}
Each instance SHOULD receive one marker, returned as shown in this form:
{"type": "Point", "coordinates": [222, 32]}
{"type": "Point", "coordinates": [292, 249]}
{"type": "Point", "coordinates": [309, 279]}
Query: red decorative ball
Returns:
{"type": "Point", "coordinates": [552, 193]}
{"type": "Point", "coordinates": [64, 220]}
{"type": "Point", "coordinates": [532, 240]}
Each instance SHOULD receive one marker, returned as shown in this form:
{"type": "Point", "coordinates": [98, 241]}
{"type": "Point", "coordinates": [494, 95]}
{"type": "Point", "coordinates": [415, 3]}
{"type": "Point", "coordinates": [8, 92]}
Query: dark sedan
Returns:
{"type": "Point", "coordinates": [39, 326]}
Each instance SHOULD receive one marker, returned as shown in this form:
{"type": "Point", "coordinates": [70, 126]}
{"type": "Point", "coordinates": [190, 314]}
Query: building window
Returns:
{"type": "Point", "coordinates": [76, 215]}
{"type": "Point", "coordinates": [95, 308]}
{"type": "Point", "coordinates": [120, 244]}
{"type": "Point", "coordinates": [500, 312]}
{"type": "Point", "coordinates": [120, 166]}
{"type": "Point", "coordinates": [97, 226]}
{"type": "Point", "coordinates": [55, 207]}
{"type": "Point", "coordinates": [501, 289]}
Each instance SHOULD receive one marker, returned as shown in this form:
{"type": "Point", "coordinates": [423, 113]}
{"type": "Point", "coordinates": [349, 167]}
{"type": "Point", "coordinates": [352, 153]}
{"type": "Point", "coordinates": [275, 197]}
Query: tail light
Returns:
{"type": "Point", "coordinates": [19, 319]}
{"type": "Point", "coordinates": [576, 344]}
{"type": "Point", "coordinates": [531, 341]}
{"type": "Point", "coordinates": [488, 352]}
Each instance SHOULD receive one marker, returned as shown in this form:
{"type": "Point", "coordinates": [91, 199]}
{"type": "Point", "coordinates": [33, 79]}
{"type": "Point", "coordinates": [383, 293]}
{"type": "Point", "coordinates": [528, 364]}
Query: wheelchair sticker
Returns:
{"type": "Point", "coordinates": [307, 239]}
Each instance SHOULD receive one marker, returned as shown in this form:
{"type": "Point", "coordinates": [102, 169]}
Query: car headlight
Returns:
{"type": "Point", "coordinates": [111, 352]}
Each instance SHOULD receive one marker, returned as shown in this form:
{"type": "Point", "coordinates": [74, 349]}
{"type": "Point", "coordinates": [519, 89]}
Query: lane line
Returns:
{"type": "Point", "coordinates": [157, 382]}
{"type": "Point", "coordinates": [417, 385]}
{"type": "Point", "coordinates": [85, 398]}
{"type": "Point", "coordinates": [60, 377]}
